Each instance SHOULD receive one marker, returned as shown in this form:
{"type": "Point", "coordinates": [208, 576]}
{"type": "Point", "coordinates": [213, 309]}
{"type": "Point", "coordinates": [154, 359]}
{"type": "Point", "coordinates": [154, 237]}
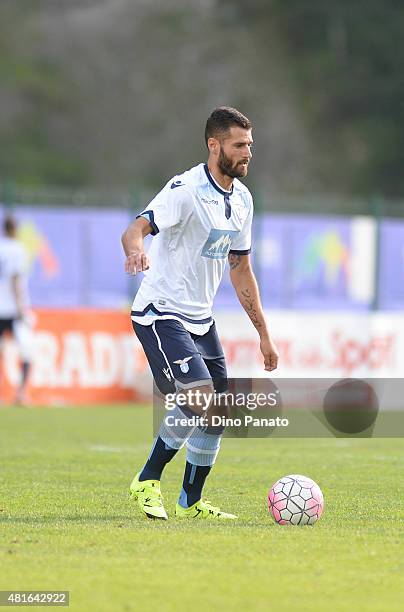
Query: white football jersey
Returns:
{"type": "Point", "coordinates": [13, 261]}
{"type": "Point", "coordinates": [196, 225]}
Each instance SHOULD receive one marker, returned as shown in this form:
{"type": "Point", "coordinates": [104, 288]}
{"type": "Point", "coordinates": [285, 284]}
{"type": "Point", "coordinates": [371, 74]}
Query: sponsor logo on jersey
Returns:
{"type": "Point", "coordinates": [183, 363]}
{"type": "Point", "coordinates": [206, 201]}
{"type": "Point", "coordinates": [218, 243]}
{"type": "Point", "coordinates": [175, 184]}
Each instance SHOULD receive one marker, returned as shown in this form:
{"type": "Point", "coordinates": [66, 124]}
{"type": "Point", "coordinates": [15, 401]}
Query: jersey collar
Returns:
{"type": "Point", "coordinates": [214, 183]}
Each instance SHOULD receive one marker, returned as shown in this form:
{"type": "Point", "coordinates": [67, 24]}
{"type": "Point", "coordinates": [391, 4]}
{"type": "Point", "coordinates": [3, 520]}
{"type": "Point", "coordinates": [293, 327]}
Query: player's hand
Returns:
{"type": "Point", "coordinates": [270, 354]}
{"type": "Point", "coordinates": [136, 262]}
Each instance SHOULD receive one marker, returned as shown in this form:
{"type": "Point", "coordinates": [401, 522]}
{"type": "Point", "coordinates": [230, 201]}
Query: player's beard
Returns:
{"type": "Point", "coordinates": [228, 168]}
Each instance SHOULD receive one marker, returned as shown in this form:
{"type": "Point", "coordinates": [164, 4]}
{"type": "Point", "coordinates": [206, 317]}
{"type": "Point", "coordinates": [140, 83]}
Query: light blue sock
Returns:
{"type": "Point", "coordinates": [203, 445]}
{"type": "Point", "coordinates": [175, 434]}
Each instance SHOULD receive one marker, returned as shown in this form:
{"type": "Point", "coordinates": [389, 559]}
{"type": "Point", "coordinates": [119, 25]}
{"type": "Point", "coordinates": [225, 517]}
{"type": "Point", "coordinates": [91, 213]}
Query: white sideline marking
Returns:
{"type": "Point", "coordinates": [110, 449]}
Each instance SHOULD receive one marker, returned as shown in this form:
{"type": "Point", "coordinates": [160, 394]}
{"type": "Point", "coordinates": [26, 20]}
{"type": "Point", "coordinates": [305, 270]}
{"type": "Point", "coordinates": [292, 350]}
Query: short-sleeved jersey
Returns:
{"type": "Point", "coordinates": [196, 225]}
{"type": "Point", "coordinates": [13, 262]}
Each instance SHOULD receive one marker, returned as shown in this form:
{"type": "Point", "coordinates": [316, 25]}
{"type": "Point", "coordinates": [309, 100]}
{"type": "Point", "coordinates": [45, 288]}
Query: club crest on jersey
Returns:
{"type": "Point", "coordinates": [183, 363]}
{"type": "Point", "coordinates": [218, 243]}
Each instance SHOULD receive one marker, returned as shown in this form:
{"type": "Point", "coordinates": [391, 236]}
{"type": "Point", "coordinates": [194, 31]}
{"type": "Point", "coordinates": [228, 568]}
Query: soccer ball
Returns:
{"type": "Point", "coordinates": [295, 500]}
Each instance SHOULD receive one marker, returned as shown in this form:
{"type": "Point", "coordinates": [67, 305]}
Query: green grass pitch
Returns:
{"type": "Point", "coordinates": [67, 522]}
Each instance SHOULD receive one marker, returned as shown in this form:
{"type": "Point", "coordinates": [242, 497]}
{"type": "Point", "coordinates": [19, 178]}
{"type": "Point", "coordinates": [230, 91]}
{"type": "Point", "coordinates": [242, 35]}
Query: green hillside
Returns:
{"type": "Point", "coordinates": [114, 93]}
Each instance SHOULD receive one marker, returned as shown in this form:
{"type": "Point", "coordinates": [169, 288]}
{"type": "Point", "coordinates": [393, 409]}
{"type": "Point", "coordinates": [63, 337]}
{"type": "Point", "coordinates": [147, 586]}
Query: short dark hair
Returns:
{"type": "Point", "coordinates": [9, 225]}
{"type": "Point", "coordinates": [222, 119]}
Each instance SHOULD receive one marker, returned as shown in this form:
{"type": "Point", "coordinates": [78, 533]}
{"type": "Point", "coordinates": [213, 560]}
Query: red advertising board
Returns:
{"type": "Point", "coordinates": [79, 357]}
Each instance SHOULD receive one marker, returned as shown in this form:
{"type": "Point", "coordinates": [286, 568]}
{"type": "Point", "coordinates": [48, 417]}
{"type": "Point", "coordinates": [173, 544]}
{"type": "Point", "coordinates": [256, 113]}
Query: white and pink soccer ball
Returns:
{"type": "Point", "coordinates": [295, 500]}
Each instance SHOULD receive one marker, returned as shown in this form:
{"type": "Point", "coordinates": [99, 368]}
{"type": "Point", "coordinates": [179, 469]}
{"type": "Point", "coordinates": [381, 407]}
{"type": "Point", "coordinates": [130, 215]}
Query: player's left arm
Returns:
{"type": "Point", "coordinates": [245, 284]}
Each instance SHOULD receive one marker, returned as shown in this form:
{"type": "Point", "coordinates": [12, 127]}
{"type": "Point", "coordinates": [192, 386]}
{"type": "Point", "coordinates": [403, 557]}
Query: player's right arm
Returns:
{"type": "Point", "coordinates": [17, 269]}
{"type": "Point", "coordinates": [133, 245]}
{"type": "Point", "coordinates": [173, 204]}
{"type": "Point", "coordinates": [18, 295]}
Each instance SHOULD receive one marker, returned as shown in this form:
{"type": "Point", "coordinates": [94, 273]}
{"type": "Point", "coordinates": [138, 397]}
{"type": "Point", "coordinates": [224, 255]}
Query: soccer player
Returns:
{"type": "Point", "coordinates": [199, 219]}
{"type": "Point", "coordinates": [14, 318]}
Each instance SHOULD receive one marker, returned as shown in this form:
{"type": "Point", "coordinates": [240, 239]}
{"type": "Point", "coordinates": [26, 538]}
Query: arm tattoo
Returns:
{"type": "Point", "coordinates": [250, 307]}
{"type": "Point", "coordinates": [234, 261]}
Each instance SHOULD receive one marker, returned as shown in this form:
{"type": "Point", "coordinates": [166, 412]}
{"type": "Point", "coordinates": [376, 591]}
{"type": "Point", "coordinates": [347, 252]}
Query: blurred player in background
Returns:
{"type": "Point", "coordinates": [200, 218]}
{"type": "Point", "coordinates": [14, 314]}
